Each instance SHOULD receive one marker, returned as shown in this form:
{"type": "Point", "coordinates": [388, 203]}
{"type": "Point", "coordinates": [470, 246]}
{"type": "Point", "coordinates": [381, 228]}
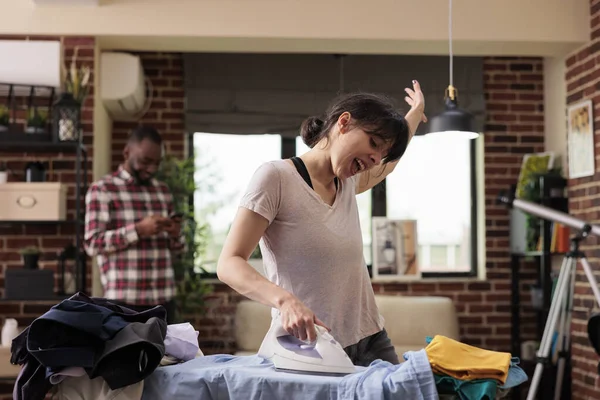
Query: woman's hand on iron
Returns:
{"type": "Point", "coordinates": [416, 100]}
{"type": "Point", "coordinates": [299, 320]}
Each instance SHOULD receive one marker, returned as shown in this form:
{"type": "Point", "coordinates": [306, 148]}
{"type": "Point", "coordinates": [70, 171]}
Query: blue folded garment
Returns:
{"type": "Point", "coordinates": [516, 375]}
{"type": "Point", "coordinates": [412, 379]}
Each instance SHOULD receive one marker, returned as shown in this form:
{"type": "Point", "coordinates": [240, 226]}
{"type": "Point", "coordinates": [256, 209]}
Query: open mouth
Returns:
{"type": "Point", "coordinates": [357, 166]}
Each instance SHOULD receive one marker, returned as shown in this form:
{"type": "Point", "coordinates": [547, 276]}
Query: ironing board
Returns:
{"type": "Point", "coordinates": [250, 377]}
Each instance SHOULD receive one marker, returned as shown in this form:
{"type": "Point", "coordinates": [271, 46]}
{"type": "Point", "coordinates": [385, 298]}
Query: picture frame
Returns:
{"type": "Point", "coordinates": [580, 139]}
{"type": "Point", "coordinates": [394, 247]}
{"type": "Point", "coordinates": [533, 164]}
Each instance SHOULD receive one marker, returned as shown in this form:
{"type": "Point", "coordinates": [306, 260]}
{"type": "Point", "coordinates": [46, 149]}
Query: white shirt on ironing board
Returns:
{"type": "Point", "coordinates": [314, 250]}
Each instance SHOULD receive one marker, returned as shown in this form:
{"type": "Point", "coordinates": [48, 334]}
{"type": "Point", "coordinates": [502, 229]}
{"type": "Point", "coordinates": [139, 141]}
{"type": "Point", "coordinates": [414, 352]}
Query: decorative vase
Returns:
{"type": "Point", "coordinates": [389, 253]}
{"type": "Point", "coordinates": [30, 261]}
{"type": "Point", "coordinates": [10, 330]}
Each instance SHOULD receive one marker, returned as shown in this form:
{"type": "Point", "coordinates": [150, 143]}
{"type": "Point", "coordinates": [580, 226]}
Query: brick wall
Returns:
{"type": "Point", "coordinates": [165, 71]}
{"type": "Point", "coordinates": [50, 238]}
{"type": "Point", "coordinates": [583, 82]}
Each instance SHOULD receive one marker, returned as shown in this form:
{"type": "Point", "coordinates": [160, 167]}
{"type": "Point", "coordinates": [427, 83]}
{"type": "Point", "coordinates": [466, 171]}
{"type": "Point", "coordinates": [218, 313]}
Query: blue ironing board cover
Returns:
{"type": "Point", "coordinates": [227, 377]}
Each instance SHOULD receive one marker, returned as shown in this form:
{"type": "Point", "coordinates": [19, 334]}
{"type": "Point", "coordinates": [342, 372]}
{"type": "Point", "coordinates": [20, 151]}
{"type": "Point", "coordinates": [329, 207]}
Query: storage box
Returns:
{"type": "Point", "coordinates": [33, 201]}
{"type": "Point", "coordinates": [29, 284]}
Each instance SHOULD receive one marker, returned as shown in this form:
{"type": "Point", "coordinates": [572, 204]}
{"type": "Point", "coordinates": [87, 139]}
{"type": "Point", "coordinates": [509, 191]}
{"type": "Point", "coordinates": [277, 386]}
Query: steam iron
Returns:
{"type": "Point", "coordinates": [288, 353]}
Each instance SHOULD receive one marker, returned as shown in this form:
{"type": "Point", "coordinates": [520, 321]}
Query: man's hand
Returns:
{"type": "Point", "coordinates": [151, 225]}
{"type": "Point", "coordinates": [173, 228]}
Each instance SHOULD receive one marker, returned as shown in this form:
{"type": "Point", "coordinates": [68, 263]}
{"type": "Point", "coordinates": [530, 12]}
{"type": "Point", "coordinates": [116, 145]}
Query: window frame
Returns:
{"type": "Point", "coordinates": [379, 206]}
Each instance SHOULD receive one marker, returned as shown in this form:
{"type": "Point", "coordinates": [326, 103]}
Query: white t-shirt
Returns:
{"type": "Point", "coordinates": [315, 251]}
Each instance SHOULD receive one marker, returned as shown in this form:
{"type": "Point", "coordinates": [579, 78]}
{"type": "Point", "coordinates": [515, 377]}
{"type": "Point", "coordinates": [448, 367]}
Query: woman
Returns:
{"type": "Point", "coordinates": [305, 211]}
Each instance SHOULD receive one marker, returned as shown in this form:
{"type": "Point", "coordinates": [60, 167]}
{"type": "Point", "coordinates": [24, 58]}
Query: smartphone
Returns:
{"type": "Point", "coordinates": [176, 215]}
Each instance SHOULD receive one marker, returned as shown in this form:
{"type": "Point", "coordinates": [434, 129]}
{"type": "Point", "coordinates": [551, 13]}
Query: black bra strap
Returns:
{"type": "Point", "coordinates": [301, 167]}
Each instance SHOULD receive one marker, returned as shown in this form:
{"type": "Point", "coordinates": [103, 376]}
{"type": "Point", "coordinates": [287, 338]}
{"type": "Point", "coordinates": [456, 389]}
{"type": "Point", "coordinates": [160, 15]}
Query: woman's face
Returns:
{"type": "Point", "coordinates": [355, 151]}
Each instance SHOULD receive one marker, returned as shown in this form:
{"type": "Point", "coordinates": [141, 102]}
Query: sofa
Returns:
{"type": "Point", "coordinates": [408, 320]}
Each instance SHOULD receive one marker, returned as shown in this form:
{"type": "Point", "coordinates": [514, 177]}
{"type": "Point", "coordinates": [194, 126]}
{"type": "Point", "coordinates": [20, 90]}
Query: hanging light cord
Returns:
{"type": "Point", "coordinates": [342, 73]}
{"type": "Point", "coordinates": [450, 41]}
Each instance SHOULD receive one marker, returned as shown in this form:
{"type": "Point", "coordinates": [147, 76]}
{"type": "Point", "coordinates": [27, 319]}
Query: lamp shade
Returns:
{"type": "Point", "coordinates": [453, 122]}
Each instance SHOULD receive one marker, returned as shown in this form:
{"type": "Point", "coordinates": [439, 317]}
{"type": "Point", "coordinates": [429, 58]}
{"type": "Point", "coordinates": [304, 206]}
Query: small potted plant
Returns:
{"type": "Point", "coordinates": [4, 118]}
{"type": "Point", "coordinates": [36, 121]}
{"type": "Point", "coordinates": [3, 172]}
{"type": "Point", "coordinates": [30, 256]}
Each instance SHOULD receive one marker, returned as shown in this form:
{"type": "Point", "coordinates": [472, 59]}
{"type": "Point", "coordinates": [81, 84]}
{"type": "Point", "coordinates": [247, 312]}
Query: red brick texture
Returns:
{"type": "Point", "coordinates": [51, 238]}
{"type": "Point", "coordinates": [165, 71]}
{"type": "Point", "coordinates": [583, 83]}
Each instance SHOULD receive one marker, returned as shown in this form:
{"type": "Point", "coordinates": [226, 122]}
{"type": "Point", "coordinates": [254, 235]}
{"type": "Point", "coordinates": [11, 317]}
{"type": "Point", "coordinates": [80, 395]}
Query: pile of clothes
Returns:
{"type": "Point", "coordinates": [470, 372]}
{"type": "Point", "coordinates": [88, 338]}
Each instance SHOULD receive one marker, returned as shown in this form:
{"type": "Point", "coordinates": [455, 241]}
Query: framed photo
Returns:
{"type": "Point", "coordinates": [394, 249]}
{"type": "Point", "coordinates": [533, 163]}
{"type": "Point", "coordinates": [580, 139]}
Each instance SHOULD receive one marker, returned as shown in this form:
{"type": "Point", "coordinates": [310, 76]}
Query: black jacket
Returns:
{"type": "Point", "coordinates": [108, 340]}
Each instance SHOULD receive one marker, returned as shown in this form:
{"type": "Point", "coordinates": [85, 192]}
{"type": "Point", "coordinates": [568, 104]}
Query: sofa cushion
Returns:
{"type": "Point", "coordinates": [400, 350]}
{"type": "Point", "coordinates": [409, 319]}
{"type": "Point", "coordinates": [252, 321]}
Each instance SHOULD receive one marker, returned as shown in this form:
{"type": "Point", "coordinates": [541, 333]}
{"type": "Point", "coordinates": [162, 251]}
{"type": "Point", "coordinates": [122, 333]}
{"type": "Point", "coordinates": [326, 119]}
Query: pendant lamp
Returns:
{"type": "Point", "coordinates": [453, 122]}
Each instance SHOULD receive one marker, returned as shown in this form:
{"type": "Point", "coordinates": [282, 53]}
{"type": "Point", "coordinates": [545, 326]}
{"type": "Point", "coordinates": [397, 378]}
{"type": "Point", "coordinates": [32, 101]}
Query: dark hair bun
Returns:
{"type": "Point", "coordinates": [311, 130]}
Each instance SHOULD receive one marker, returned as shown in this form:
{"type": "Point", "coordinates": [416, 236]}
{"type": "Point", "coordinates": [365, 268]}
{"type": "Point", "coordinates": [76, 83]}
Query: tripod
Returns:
{"type": "Point", "coordinates": [561, 306]}
{"type": "Point", "coordinates": [562, 302]}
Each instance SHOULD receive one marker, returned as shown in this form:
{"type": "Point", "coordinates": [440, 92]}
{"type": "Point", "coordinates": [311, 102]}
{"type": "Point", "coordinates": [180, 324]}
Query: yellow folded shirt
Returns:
{"type": "Point", "coordinates": [465, 362]}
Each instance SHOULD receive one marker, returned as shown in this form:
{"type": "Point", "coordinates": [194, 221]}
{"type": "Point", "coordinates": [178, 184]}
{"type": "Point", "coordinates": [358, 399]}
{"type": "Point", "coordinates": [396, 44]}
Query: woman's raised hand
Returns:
{"type": "Point", "coordinates": [416, 99]}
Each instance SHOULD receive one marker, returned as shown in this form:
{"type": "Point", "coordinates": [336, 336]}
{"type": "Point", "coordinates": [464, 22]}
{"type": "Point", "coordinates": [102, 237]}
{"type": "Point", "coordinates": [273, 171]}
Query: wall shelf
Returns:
{"type": "Point", "coordinates": [549, 186]}
{"type": "Point", "coordinates": [19, 143]}
{"type": "Point", "coordinates": [40, 146]}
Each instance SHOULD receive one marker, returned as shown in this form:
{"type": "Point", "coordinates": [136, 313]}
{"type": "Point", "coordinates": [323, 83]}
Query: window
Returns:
{"type": "Point", "coordinates": [225, 165]}
{"type": "Point", "coordinates": [432, 184]}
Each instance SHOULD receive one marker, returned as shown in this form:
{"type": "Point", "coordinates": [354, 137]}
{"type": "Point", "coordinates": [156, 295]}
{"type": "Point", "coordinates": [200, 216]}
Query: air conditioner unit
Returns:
{"type": "Point", "coordinates": [123, 86]}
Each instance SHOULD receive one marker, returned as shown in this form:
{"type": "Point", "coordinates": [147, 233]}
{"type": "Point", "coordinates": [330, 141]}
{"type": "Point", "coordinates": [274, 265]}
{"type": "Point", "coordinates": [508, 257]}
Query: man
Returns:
{"type": "Point", "coordinates": [130, 228]}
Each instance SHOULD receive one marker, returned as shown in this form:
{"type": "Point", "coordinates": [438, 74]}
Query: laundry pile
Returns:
{"type": "Point", "coordinates": [470, 372]}
{"type": "Point", "coordinates": [91, 336]}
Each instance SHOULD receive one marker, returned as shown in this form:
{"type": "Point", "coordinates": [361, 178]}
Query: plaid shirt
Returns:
{"type": "Point", "coordinates": [133, 270]}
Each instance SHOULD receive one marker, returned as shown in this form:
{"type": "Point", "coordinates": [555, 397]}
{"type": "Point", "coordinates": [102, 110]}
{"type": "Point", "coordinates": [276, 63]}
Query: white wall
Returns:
{"type": "Point", "coordinates": [509, 27]}
{"type": "Point", "coordinates": [555, 103]}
